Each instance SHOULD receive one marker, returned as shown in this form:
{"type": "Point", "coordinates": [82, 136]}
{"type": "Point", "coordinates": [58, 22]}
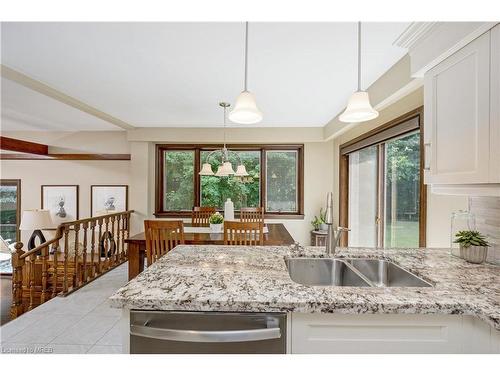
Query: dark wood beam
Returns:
{"type": "Point", "coordinates": [18, 145]}
{"type": "Point", "coordinates": [65, 157]}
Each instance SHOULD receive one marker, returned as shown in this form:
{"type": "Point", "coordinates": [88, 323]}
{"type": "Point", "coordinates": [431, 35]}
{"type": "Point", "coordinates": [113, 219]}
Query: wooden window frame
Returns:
{"type": "Point", "coordinates": [197, 148]}
{"type": "Point", "coordinates": [17, 183]}
{"type": "Point", "coordinates": [371, 138]}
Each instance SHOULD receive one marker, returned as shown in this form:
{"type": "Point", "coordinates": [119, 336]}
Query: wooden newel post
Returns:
{"type": "Point", "coordinates": [17, 281]}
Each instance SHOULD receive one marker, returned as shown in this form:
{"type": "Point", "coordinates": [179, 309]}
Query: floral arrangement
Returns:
{"type": "Point", "coordinates": [216, 218]}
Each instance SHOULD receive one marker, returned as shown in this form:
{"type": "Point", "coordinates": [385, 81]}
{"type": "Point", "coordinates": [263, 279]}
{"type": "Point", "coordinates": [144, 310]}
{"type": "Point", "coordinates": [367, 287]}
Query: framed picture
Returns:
{"type": "Point", "coordinates": [61, 201]}
{"type": "Point", "coordinates": [106, 199]}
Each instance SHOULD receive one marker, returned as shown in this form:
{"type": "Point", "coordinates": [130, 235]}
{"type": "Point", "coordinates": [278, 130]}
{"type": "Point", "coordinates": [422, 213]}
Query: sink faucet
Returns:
{"type": "Point", "coordinates": [332, 239]}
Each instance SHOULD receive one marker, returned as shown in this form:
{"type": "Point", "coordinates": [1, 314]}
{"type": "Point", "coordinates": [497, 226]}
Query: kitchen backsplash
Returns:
{"type": "Point", "coordinates": [487, 211]}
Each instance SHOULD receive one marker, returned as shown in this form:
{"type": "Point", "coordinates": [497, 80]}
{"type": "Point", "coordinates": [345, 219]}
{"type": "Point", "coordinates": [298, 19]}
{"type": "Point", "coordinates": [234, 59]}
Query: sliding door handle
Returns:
{"type": "Point", "coordinates": [427, 167]}
{"type": "Point", "coordinates": [205, 336]}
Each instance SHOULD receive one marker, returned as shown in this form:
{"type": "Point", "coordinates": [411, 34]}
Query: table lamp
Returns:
{"type": "Point", "coordinates": [36, 220]}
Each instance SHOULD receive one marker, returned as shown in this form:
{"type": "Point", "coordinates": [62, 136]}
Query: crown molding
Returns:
{"type": "Point", "coordinates": [51, 92]}
{"type": "Point", "coordinates": [415, 32]}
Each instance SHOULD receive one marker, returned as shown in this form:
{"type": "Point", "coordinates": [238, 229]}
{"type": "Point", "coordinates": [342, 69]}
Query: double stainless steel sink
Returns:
{"type": "Point", "coordinates": [356, 272]}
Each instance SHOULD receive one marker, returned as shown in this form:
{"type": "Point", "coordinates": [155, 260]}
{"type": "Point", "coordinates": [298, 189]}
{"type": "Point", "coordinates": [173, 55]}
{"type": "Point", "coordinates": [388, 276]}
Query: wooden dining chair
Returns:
{"type": "Point", "coordinates": [200, 216]}
{"type": "Point", "coordinates": [252, 214]}
{"type": "Point", "coordinates": [243, 233]}
{"type": "Point", "coordinates": [161, 237]}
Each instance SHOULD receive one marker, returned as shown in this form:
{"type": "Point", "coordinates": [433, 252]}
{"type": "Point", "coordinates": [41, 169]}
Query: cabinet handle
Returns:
{"type": "Point", "coordinates": [427, 167]}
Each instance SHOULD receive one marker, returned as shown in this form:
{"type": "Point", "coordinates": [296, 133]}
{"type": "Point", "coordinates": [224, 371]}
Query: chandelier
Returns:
{"type": "Point", "coordinates": [225, 168]}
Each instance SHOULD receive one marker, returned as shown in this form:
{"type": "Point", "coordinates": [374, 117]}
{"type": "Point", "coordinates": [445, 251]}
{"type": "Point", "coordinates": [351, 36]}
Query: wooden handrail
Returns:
{"type": "Point", "coordinates": [59, 231]}
{"type": "Point", "coordinates": [41, 274]}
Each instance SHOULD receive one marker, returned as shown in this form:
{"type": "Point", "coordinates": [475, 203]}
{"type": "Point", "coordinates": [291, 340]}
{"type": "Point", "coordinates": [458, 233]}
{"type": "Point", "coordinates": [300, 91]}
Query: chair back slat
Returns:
{"type": "Point", "coordinates": [243, 233]}
{"type": "Point", "coordinates": [252, 214]}
{"type": "Point", "coordinates": [201, 215]}
{"type": "Point", "coordinates": [161, 237]}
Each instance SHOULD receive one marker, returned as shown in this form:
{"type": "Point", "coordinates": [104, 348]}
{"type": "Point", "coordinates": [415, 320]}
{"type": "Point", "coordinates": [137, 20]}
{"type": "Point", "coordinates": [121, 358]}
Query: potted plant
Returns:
{"type": "Point", "coordinates": [316, 223]}
{"type": "Point", "coordinates": [216, 221]}
{"type": "Point", "coordinates": [322, 217]}
{"type": "Point", "coordinates": [319, 222]}
{"type": "Point", "coordinates": [473, 246]}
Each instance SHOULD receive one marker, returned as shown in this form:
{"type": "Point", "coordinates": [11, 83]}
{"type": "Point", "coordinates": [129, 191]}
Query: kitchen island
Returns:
{"type": "Point", "coordinates": [459, 313]}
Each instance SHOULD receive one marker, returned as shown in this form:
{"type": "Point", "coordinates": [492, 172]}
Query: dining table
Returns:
{"type": "Point", "coordinates": [275, 235]}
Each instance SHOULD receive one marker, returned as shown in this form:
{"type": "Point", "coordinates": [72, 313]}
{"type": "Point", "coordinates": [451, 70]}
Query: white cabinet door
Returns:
{"type": "Point", "coordinates": [379, 333]}
{"type": "Point", "coordinates": [495, 106]}
{"type": "Point", "coordinates": [457, 117]}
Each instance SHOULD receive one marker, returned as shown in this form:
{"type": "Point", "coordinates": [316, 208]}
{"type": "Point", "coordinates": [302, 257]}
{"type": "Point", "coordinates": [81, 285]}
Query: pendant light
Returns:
{"type": "Point", "coordinates": [359, 108]}
{"type": "Point", "coordinates": [245, 109]}
{"type": "Point", "coordinates": [225, 169]}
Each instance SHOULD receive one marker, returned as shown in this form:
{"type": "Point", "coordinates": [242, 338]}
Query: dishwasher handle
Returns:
{"type": "Point", "coordinates": [205, 336]}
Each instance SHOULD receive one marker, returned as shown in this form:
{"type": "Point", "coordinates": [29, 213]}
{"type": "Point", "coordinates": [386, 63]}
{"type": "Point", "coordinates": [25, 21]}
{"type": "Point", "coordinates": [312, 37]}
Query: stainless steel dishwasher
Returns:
{"type": "Point", "coordinates": [166, 332]}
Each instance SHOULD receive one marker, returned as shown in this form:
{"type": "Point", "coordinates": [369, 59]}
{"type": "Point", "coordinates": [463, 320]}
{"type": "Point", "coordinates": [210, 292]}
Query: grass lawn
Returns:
{"type": "Point", "coordinates": [405, 234]}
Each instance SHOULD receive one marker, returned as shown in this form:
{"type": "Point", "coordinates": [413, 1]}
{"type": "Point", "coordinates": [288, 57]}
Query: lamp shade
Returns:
{"type": "Point", "coordinates": [241, 171]}
{"type": "Point", "coordinates": [245, 110]}
{"type": "Point", "coordinates": [36, 219]}
{"type": "Point", "coordinates": [358, 108]}
{"type": "Point", "coordinates": [220, 172]}
{"type": "Point", "coordinates": [227, 168]}
{"type": "Point", "coordinates": [206, 170]}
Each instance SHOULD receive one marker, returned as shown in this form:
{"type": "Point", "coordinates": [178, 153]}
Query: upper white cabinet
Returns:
{"type": "Point", "coordinates": [461, 125]}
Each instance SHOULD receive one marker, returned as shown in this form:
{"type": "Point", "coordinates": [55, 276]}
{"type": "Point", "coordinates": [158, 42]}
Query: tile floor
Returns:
{"type": "Point", "coordinates": [81, 323]}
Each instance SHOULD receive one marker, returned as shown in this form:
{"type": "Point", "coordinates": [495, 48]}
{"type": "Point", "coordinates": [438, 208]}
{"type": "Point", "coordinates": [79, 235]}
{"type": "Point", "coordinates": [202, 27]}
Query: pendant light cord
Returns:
{"type": "Point", "coordinates": [246, 54]}
{"type": "Point", "coordinates": [224, 127]}
{"type": "Point", "coordinates": [359, 56]}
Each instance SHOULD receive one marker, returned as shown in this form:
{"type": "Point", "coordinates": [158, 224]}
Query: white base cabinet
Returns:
{"type": "Point", "coordinates": [390, 333]}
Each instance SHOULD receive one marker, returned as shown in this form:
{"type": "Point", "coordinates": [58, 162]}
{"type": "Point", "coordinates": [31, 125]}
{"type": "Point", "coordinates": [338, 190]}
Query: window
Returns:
{"type": "Point", "coordinates": [274, 180]}
{"type": "Point", "coordinates": [10, 209]}
{"type": "Point", "coordinates": [281, 183]}
{"type": "Point", "coordinates": [178, 180]}
{"type": "Point", "coordinates": [382, 193]}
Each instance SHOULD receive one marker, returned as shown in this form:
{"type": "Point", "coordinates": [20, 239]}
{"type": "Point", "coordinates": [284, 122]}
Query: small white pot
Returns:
{"type": "Point", "coordinates": [216, 228]}
{"type": "Point", "coordinates": [474, 254]}
{"type": "Point", "coordinates": [323, 227]}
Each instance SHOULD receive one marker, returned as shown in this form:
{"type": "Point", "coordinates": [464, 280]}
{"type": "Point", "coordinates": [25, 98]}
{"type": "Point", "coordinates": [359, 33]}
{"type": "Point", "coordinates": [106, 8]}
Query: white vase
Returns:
{"type": "Point", "coordinates": [216, 228]}
{"type": "Point", "coordinates": [229, 210]}
{"type": "Point", "coordinates": [323, 227]}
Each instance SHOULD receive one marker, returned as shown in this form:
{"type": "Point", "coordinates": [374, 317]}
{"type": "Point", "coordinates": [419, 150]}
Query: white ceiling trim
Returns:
{"type": "Point", "coordinates": [44, 89]}
{"type": "Point", "coordinates": [413, 33]}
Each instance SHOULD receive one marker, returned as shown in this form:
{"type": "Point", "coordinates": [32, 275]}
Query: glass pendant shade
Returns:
{"type": "Point", "coordinates": [206, 170]}
{"type": "Point", "coordinates": [358, 108]}
{"type": "Point", "coordinates": [241, 171]}
{"type": "Point", "coordinates": [245, 110]}
{"type": "Point", "coordinates": [227, 168]}
{"type": "Point", "coordinates": [220, 172]}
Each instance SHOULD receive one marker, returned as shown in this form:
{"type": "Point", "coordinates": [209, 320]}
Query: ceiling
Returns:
{"type": "Point", "coordinates": [174, 74]}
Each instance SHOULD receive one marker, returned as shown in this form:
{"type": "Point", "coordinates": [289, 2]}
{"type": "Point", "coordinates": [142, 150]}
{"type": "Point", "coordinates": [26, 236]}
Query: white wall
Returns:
{"type": "Point", "coordinates": [34, 173]}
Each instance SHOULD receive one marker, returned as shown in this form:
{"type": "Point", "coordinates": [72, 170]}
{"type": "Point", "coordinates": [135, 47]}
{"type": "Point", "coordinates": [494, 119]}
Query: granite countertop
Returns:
{"type": "Point", "coordinates": [238, 278]}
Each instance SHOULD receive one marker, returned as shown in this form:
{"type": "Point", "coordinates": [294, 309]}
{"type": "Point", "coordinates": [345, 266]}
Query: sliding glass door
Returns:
{"type": "Point", "coordinates": [402, 191]}
{"type": "Point", "coordinates": [363, 197]}
{"type": "Point", "coordinates": [382, 195]}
